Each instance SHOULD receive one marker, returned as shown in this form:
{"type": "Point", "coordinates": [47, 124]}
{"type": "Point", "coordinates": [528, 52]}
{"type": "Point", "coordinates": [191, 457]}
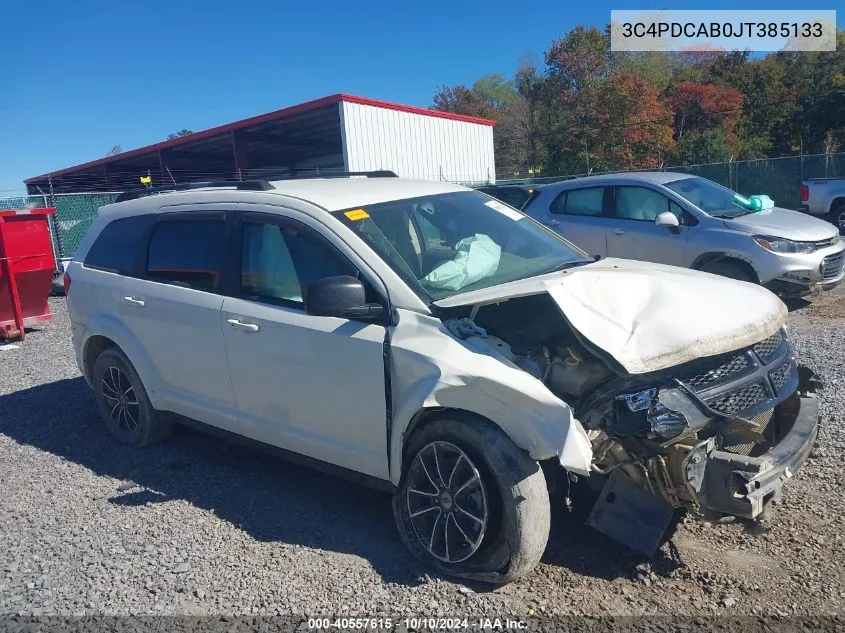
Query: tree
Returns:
{"type": "Point", "coordinates": [529, 84]}
{"type": "Point", "coordinates": [656, 67]}
{"type": "Point", "coordinates": [496, 91]}
{"type": "Point", "coordinates": [115, 150]}
{"type": "Point", "coordinates": [817, 81]}
{"type": "Point", "coordinates": [638, 124]}
{"type": "Point", "coordinates": [583, 107]}
{"type": "Point", "coordinates": [576, 71]}
{"type": "Point", "coordinates": [700, 107]}
{"type": "Point", "coordinates": [700, 147]}
{"type": "Point", "coordinates": [461, 100]}
{"type": "Point", "coordinates": [580, 59]}
{"type": "Point", "coordinates": [179, 134]}
{"type": "Point", "coordinates": [769, 110]}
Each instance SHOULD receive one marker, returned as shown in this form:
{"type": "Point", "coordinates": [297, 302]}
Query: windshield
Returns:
{"type": "Point", "coordinates": [708, 196]}
{"type": "Point", "coordinates": [451, 243]}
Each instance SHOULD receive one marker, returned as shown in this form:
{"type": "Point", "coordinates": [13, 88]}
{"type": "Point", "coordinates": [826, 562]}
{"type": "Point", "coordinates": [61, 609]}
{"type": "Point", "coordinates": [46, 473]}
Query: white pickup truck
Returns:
{"type": "Point", "coordinates": [825, 197]}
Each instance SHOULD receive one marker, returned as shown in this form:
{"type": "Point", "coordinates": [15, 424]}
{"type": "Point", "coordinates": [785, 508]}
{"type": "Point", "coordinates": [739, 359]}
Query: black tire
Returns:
{"type": "Point", "coordinates": [729, 269]}
{"type": "Point", "coordinates": [517, 500]}
{"type": "Point", "coordinates": [837, 218]}
{"type": "Point", "coordinates": [123, 402]}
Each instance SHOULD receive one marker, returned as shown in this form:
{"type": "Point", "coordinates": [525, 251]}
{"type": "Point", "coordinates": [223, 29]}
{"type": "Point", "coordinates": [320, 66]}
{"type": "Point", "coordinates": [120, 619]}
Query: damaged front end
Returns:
{"type": "Point", "coordinates": [722, 434]}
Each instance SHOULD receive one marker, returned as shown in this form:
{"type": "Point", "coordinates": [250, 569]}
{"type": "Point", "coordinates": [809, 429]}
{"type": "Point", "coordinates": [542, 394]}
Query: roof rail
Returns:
{"type": "Point", "coordinates": [248, 185]}
{"type": "Point", "coordinates": [244, 185]}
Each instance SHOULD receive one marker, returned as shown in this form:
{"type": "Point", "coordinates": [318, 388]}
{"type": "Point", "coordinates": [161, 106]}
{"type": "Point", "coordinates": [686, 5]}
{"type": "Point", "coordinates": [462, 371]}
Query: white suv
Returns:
{"type": "Point", "coordinates": [443, 345]}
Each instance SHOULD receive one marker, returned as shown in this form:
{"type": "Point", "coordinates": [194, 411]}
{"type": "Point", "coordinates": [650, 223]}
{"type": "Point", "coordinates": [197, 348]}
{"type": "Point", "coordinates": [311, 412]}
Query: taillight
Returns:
{"type": "Point", "coordinates": [66, 282]}
{"type": "Point", "coordinates": [805, 193]}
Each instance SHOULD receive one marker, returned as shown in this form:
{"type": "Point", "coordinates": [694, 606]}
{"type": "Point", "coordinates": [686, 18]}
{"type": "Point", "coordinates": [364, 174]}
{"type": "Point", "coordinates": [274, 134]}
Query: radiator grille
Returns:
{"type": "Point", "coordinates": [720, 373]}
{"type": "Point", "coordinates": [780, 376]}
{"type": "Point", "coordinates": [735, 402]}
{"type": "Point", "coordinates": [768, 346]}
{"type": "Point", "coordinates": [832, 265]}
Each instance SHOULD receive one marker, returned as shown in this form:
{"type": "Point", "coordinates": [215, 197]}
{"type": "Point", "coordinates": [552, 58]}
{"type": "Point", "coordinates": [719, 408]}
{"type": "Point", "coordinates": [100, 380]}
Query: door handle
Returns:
{"type": "Point", "coordinates": [135, 302]}
{"type": "Point", "coordinates": [240, 325]}
{"type": "Point", "coordinates": [552, 223]}
{"type": "Point", "coordinates": [620, 231]}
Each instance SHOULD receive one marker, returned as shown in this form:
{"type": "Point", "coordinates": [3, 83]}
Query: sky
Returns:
{"type": "Point", "coordinates": [77, 78]}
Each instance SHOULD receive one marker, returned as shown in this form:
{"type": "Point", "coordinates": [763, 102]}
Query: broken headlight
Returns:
{"type": "Point", "coordinates": [668, 412]}
{"type": "Point", "coordinates": [666, 422]}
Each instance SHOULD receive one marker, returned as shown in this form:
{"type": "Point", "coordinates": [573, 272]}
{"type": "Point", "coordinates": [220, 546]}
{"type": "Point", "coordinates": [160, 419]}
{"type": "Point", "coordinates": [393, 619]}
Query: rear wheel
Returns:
{"type": "Point", "coordinates": [123, 402]}
{"type": "Point", "coordinates": [728, 269]}
{"type": "Point", "coordinates": [470, 503]}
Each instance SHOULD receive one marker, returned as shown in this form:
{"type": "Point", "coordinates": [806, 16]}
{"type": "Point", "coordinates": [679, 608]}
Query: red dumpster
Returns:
{"type": "Point", "coordinates": [27, 266]}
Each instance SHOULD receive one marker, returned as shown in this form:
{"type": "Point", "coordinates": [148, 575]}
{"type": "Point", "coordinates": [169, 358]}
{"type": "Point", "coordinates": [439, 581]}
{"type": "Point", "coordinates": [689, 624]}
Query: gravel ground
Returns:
{"type": "Point", "coordinates": [204, 526]}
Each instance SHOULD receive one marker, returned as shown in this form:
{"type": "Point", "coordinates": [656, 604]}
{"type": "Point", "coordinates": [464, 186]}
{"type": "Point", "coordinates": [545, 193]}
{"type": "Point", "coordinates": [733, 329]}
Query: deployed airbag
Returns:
{"type": "Point", "coordinates": [477, 257]}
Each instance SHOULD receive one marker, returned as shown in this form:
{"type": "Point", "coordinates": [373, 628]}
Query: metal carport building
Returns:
{"type": "Point", "coordinates": [339, 132]}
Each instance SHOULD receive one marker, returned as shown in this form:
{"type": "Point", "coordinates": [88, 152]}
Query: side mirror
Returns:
{"type": "Point", "coordinates": [342, 296]}
{"type": "Point", "coordinates": [667, 219]}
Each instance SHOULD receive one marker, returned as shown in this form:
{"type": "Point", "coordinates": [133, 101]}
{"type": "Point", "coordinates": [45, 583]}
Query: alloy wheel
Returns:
{"type": "Point", "coordinates": [121, 400]}
{"type": "Point", "coordinates": [447, 502]}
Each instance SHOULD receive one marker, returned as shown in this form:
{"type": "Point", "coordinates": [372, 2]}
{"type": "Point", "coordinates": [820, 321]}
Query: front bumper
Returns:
{"type": "Point", "coordinates": [743, 486]}
{"type": "Point", "coordinates": [797, 274]}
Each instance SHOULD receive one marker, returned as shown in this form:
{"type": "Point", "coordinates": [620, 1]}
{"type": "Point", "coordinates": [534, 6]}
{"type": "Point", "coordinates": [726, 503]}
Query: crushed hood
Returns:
{"type": "Point", "coordinates": [791, 225]}
{"type": "Point", "coordinates": [648, 316]}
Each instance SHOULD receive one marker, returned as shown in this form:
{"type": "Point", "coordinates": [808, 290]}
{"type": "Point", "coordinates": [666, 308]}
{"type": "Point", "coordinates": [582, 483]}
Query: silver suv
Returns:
{"type": "Point", "coordinates": [441, 345]}
{"type": "Point", "coordinates": [684, 220]}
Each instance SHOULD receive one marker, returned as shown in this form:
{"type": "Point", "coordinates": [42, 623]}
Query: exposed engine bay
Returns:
{"type": "Point", "coordinates": [700, 434]}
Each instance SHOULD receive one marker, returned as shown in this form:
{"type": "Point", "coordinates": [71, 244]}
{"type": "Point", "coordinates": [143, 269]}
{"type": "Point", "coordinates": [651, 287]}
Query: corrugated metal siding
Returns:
{"type": "Point", "coordinates": [415, 145]}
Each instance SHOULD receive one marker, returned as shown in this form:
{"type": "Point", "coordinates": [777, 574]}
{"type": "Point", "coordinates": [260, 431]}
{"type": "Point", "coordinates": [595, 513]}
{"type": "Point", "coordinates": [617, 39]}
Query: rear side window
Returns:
{"type": "Point", "coordinates": [119, 244]}
{"type": "Point", "coordinates": [588, 201]}
{"type": "Point", "coordinates": [187, 253]}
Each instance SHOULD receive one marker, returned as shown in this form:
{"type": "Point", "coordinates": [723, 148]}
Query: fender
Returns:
{"type": "Point", "coordinates": [707, 258]}
{"type": "Point", "coordinates": [114, 329]}
{"type": "Point", "coordinates": [485, 385]}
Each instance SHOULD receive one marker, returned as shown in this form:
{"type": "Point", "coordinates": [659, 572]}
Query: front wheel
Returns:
{"type": "Point", "coordinates": [470, 503]}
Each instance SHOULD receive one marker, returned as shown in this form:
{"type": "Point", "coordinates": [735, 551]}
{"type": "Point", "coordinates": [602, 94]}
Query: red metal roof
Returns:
{"type": "Point", "coordinates": [263, 118]}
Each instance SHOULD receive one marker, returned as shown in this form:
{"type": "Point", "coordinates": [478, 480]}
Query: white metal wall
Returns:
{"type": "Point", "coordinates": [416, 145]}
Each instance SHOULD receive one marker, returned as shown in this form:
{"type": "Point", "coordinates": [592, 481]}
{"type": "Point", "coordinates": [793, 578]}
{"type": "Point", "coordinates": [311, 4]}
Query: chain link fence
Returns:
{"type": "Point", "coordinates": [74, 214]}
{"type": "Point", "coordinates": [779, 178]}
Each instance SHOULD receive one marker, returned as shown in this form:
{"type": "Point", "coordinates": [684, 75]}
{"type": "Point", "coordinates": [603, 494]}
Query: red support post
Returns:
{"type": "Point", "coordinates": [9, 275]}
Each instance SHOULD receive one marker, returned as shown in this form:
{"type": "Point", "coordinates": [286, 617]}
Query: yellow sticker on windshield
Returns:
{"type": "Point", "coordinates": [357, 214]}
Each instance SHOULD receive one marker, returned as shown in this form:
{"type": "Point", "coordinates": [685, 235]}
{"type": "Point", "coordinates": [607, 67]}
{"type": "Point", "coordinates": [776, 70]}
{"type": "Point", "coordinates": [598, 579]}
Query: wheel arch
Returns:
{"type": "Point", "coordinates": [561, 438]}
{"type": "Point", "coordinates": [429, 414]}
{"type": "Point", "coordinates": [836, 204]}
{"type": "Point", "coordinates": [704, 260]}
{"type": "Point", "coordinates": [420, 419]}
{"type": "Point", "coordinates": [94, 346]}
{"type": "Point", "coordinates": [107, 332]}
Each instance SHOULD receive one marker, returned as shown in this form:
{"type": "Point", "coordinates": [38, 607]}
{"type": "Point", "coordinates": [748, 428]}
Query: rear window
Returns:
{"type": "Point", "coordinates": [187, 253]}
{"type": "Point", "coordinates": [513, 196]}
{"type": "Point", "coordinates": [117, 247]}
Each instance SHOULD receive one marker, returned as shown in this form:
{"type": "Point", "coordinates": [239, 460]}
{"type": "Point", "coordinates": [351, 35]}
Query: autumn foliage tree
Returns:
{"type": "Point", "coordinates": [639, 126]}
{"type": "Point", "coordinates": [702, 106]}
{"type": "Point", "coordinates": [584, 108]}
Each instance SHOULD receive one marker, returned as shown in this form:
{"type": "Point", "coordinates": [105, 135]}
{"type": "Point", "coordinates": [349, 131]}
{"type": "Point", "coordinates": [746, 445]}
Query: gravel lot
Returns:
{"type": "Point", "coordinates": [212, 527]}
